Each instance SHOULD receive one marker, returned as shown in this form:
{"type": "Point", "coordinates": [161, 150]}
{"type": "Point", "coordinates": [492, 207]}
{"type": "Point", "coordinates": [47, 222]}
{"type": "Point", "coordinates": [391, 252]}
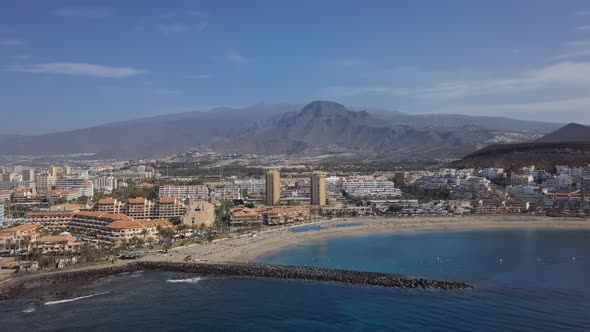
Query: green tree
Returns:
{"type": "Point", "coordinates": [166, 234]}
{"type": "Point", "coordinates": [175, 221]}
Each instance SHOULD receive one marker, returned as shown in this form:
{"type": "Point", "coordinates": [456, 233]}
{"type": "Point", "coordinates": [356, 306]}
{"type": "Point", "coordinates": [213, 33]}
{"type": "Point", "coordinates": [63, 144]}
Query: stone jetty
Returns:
{"type": "Point", "coordinates": [16, 287]}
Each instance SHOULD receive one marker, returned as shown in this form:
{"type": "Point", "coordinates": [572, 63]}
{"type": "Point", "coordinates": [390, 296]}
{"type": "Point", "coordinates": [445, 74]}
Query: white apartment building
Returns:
{"type": "Point", "coordinates": [1, 213]}
{"type": "Point", "coordinates": [251, 185]}
{"type": "Point", "coordinates": [195, 192]}
{"type": "Point", "coordinates": [105, 184]}
{"type": "Point", "coordinates": [82, 186]}
{"type": "Point", "coordinates": [372, 188]}
{"type": "Point", "coordinates": [45, 182]}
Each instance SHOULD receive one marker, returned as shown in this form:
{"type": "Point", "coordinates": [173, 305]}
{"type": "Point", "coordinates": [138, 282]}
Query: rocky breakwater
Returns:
{"type": "Point", "coordinates": [15, 287]}
{"type": "Point", "coordinates": [20, 284]}
{"type": "Point", "coordinates": [291, 272]}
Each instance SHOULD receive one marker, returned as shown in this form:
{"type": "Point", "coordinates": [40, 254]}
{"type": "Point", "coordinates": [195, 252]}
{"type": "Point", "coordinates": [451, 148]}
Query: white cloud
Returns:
{"type": "Point", "coordinates": [563, 74]}
{"type": "Point", "coordinates": [574, 49]}
{"type": "Point", "coordinates": [83, 12]}
{"type": "Point", "coordinates": [236, 57]}
{"type": "Point", "coordinates": [583, 28]}
{"type": "Point", "coordinates": [79, 69]}
{"type": "Point", "coordinates": [11, 42]}
{"type": "Point", "coordinates": [563, 110]}
{"type": "Point", "coordinates": [171, 28]}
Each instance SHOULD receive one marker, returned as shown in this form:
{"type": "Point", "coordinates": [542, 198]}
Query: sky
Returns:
{"type": "Point", "coordinates": [74, 64]}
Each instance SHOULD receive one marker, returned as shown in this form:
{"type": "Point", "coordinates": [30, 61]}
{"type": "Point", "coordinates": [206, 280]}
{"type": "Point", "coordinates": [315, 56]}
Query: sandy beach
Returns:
{"type": "Point", "coordinates": [248, 247]}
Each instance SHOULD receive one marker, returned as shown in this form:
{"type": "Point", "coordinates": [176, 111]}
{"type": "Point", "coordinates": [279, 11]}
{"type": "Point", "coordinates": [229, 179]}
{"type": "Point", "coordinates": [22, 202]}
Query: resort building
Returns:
{"type": "Point", "coordinates": [284, 215]}
{"type": "Point", "coordinates": [242, 216]}
{"type": "Point", "coordinates": [109, 205]}
{"type": "Point", "coordinates": [59, 244]}
{"type": "Point", "coordinates": [273, 187]}
{"type": "Point", "coordinates": [18, 236]}
{"type": "Point", "coordinates": [169, 207]}
{"type": "Point", "coordinates": [318, 188]}
{"type": "Point", "coordinates": [140, 208]}
{"type": "Point", "coordinates": [51, 221]}
{"type": "Point", "coordinates": [346, 210]}
{"type": "Point", "coordinates": [106, 227]}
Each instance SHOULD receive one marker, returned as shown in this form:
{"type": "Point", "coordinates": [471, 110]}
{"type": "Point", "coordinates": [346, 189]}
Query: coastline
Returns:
{"type": "Point", "coordinates": [249, 248]}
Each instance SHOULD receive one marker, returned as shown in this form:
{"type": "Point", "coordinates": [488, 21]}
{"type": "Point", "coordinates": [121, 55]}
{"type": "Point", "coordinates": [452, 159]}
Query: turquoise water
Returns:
{"type": "Point", "coordinates": [527, 280]}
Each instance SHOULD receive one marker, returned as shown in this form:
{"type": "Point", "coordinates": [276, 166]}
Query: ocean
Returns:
{"type": "Point", "coordinates": [527, 280]}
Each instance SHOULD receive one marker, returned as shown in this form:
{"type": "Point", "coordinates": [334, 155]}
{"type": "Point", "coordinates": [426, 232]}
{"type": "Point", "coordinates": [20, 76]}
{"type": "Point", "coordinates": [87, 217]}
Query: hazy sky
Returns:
{"type": "Point", "coordinates": [78, 63]}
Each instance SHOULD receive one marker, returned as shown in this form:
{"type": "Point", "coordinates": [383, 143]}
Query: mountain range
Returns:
{"type": "Point", "coordinates": [316, 128]}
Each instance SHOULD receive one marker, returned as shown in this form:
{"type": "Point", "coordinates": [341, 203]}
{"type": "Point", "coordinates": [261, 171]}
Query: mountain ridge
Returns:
{"type": "Point", "coordinates": [270, 128]}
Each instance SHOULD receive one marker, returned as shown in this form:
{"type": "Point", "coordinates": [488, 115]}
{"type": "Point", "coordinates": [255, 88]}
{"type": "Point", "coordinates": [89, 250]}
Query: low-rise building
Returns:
{"type": "Point", "coordinates": [242, 216]}
{"type": "Point", "coordinates": [346, 210]}
{"type": "Point", "coordinates": [57, 245]}
{"type": "Point", "coordinates": [18, 237]}
{"type": "Point", "coordinates": [284, 215]}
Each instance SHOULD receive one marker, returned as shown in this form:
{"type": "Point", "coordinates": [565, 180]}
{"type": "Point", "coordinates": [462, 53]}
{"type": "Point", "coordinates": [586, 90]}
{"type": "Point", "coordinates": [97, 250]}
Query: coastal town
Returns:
{"type": "Point", "coordinates": [57, 215]}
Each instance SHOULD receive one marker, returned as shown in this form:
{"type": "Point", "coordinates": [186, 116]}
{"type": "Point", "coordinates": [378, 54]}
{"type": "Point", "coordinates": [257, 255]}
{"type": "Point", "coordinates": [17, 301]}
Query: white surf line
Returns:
{"type": "Point", "coordinates": [74, 299]}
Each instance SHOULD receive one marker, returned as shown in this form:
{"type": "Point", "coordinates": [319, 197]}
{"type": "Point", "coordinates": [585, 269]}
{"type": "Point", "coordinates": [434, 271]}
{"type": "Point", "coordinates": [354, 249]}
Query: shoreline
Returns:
{"type": "Point", "coordinates": [251, 248]}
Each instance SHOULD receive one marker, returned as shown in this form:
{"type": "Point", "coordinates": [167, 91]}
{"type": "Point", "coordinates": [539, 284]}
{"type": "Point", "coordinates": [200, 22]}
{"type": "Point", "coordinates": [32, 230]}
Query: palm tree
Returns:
{"type": "Point", "coordinates": [166, 234]}
{"type": "Point", "coordinates": [144, 233]}
{"type": "Point", "coordinates": [182, 228]}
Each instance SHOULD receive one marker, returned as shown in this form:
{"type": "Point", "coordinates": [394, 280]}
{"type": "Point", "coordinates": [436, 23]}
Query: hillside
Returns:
{"type": "Point", "coordinates": [573, 132]}
{"type": "Point", "coordinates": [569, 145]}
{"type": "Point", "coordinates": [319, 127]}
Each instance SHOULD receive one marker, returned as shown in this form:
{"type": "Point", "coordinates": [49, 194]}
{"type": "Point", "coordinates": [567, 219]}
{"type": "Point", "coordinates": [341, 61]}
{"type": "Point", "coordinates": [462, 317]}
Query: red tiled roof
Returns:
{"type": "Point", "coordinates": [167, 200]}
{"type": "Point", "coordinates": [125, 224]}
{"type": "Point", "coordinates": [136, 200]}
{"type": "Point", "coordinates": [107, 200]}
{"type": "Point", "coordinates": [56, 238]}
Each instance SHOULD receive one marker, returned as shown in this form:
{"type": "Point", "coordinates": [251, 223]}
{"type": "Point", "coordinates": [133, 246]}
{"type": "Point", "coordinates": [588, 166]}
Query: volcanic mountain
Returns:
{"type": "Point", "coordinates": [317, 128]}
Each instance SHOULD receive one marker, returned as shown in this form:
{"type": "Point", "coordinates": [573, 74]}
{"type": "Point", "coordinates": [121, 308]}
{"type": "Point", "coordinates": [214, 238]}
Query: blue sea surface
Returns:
{"type": "Point", "coordinates": [527, 280]}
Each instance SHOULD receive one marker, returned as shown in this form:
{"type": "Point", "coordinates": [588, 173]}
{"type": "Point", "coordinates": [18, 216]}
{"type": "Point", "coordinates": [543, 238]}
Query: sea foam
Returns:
{"type": "Point", "coordinates": [74, 299]}
{"type": "Point", "coordinates": [188, 281]}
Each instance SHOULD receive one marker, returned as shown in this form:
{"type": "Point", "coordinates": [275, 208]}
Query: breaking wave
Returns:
{"type": "Point", "coordinates": [74, 299]}
{"type": "Point", "coordinates": [188, 281]}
